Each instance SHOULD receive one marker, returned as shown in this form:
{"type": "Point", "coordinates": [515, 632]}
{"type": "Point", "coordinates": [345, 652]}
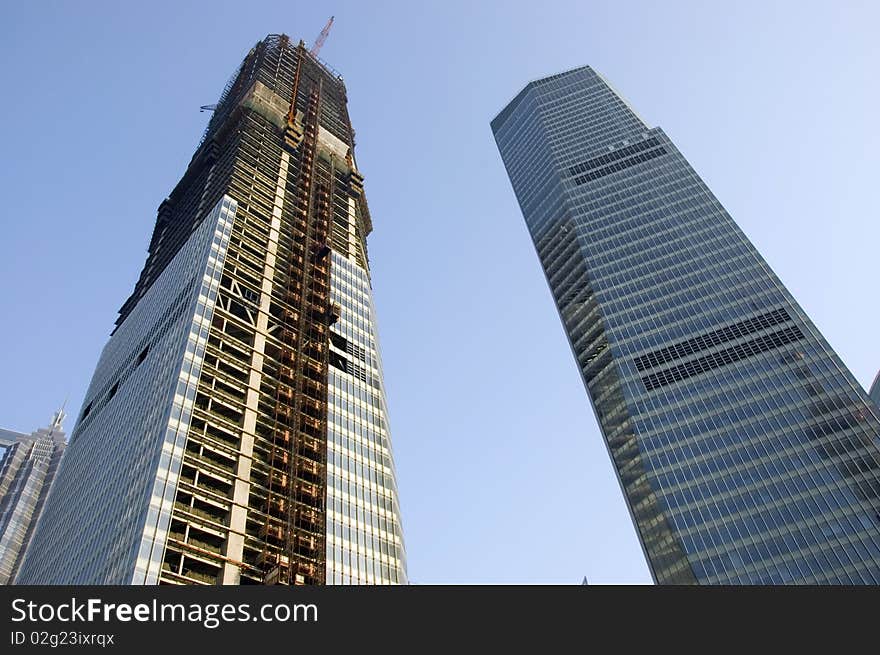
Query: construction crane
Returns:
{"type": "Point", "coordinates": [321, 38]}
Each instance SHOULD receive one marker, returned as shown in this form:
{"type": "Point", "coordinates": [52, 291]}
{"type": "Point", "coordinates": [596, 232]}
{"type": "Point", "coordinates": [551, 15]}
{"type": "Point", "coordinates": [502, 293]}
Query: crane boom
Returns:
{"type": "Point", "coordinates": [321, 38]}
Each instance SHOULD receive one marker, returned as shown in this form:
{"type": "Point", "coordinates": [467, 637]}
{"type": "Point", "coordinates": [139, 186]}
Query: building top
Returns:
{"type": "Point", "coordinates": [267, 85]}
{"type": "Point", "coordinates": [504, 114]}
{"type": "Point", "coordinates": [543, 83]}
{"type": "Point", "coordinates": [875, 390]}
{"type": "Point", "coordinates": [54, 429]}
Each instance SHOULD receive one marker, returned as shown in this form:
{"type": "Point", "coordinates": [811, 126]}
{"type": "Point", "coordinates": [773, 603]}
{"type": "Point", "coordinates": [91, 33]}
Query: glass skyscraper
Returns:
{"type": "Point", "coordinates": [746, 450]}
{"type": "Point", "coordinates": [27, 470]}
{"type": "Point", "coordinates": [235, 430]}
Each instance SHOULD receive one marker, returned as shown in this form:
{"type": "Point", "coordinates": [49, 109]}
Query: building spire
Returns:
{"type": "Point", "coordinates": [59, 416]}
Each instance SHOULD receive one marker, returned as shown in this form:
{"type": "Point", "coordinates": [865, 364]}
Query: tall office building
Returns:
{"type": "Point", "coordinates": [746, 450]}
{"type": "Point", "coordinates": [235, 430]}
{"type": "Point", "coordinates": [27, 470]}
{"type": "Point", "coordinates": [875, 390]}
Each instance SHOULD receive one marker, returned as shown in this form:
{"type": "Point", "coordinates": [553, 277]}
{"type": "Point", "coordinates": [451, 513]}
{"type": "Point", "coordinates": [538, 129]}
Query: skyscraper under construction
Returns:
{"type": "Point", "coordinates": [235, 429]}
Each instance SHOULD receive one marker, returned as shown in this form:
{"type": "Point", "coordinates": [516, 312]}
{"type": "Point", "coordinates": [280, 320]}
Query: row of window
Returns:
{"type": "Point", "coordinates": [614, 168]}
{"type": "Point", "coordinates": [722, 358]}
{"type": "Point", "coordinates": [714, 338]}
{"type": "Point", "coordinates": [617, 155]}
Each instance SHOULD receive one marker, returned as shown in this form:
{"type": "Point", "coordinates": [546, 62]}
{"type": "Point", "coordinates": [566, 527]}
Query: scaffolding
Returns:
{"type": "Point", "coordinates": [294, 547]}
{"type": "Point", "coordinates": [250, 506]}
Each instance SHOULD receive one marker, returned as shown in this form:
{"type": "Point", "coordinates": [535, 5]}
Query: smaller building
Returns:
{"type": "Point", "coordinates": [27, 469]}
{"type": "Point", "coordinates": [875, 390]}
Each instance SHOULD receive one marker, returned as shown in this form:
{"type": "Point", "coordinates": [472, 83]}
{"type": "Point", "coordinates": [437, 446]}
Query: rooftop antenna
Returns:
{"type": "Point", "coordinates": [316, 48]}
{"type": "Point", "coordinates": [58, 417]}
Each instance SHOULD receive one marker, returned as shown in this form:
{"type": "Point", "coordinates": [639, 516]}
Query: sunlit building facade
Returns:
{"type": "Point", "coordinates": [235, 430]}
{"type": "Point", "coordinates": [746, 450]}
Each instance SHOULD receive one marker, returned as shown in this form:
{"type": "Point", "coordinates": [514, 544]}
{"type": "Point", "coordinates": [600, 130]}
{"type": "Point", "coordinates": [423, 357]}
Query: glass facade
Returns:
{"type": "Point", "coordinates": [364, 534]}
{"type": "Point", "coordinates": [235, 431]}
{"type": "Point", "coordinates": [746, 450]}
{"type": "Point", "coordinates": [875, 390]}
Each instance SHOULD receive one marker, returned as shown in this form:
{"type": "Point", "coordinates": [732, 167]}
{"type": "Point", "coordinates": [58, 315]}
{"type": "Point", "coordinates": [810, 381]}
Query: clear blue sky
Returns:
{"type": "Point", "coordinates": [503, 475]}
